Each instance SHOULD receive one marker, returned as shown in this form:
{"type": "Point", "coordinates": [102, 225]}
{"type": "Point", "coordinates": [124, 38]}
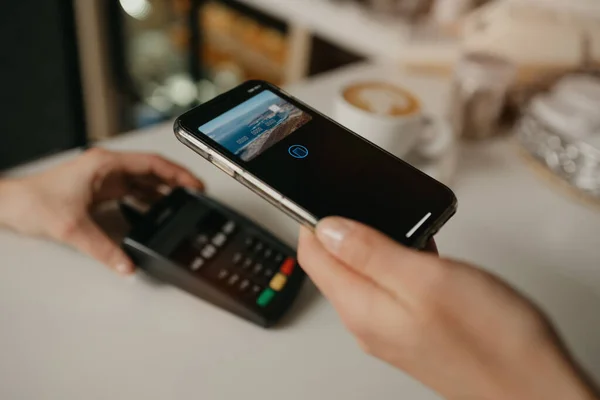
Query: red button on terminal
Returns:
{"type": "Point", "coordinates": [288, 266]}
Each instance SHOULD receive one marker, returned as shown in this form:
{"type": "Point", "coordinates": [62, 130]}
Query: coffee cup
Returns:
{"type": "Point", "coordinates": [392, 118]}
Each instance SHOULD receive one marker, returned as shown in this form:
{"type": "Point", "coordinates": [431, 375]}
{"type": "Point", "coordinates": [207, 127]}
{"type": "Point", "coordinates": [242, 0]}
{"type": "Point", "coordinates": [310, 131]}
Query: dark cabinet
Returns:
{"type": "Point", "coordinates": [41, 111]}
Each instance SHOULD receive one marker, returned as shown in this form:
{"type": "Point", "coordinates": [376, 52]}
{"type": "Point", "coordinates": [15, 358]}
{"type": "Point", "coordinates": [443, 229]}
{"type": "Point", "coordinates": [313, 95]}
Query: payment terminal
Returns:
{"type": "Point", "coordinates": [205, 248]}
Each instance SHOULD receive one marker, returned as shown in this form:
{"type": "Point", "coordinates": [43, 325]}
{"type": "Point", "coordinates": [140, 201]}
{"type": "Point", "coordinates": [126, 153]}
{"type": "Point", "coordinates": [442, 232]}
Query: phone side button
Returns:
{"type": "Point", "coordinates": [240, 178]}
{"type": "Point", "coordinates": [193, 143]}
{"type": "Point", "coordinates": [222, 166]}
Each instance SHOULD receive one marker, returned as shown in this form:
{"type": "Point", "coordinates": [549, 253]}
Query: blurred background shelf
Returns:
{"type": "Point", "coordinates": [350, 26]}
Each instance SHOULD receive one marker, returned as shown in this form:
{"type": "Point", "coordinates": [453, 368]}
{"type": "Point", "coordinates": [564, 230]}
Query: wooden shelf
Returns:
{"type": "Point", "coordinates": [351, 27]}
{"type": "Point", "coordinates": [251, 59]}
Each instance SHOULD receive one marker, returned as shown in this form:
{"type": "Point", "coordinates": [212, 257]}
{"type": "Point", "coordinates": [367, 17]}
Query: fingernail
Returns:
{"type": "Point", "coordinates": [124, 269]}
{"type": "Point", "coordinates": [332, 231]}
{"type": "Point", "coordinates": [164, 189]}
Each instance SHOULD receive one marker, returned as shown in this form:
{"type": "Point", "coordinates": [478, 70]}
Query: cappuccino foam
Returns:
{"type": "Point", "coordinates": [382, 99]}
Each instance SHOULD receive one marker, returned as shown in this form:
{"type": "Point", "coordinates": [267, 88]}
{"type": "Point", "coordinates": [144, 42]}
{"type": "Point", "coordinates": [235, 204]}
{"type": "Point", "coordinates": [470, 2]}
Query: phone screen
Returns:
{"type": "Point", "coordinates": [318, 164]}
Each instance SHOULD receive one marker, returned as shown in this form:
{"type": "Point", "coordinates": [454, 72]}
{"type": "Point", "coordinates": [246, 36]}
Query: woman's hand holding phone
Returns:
{"type": "Point", "coordinates": [454, 327]}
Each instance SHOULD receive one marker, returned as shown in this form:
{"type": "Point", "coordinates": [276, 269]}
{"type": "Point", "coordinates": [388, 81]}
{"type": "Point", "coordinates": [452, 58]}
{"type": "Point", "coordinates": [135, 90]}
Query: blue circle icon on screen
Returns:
{"type": "Point", "coordinates": [298, 151]}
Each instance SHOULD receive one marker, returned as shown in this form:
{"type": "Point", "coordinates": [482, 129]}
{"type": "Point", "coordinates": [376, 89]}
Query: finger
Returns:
{"type": "Point", "coordinates": [116, 185]}
{"type": "Point", "coordinates": [148, 189]}
{"type": "Point", "coordinates": [140, 164]}
{"type": "Point", "coordinates": [347, 291]}
{"type": "Point", "coordinates": [88, 238]}
{"type": "Point", "coordinates": [375, 256]}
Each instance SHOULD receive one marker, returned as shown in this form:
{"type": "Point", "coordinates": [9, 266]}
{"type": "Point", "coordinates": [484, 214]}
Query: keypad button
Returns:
{"type": "Point", "coordinates": [201, 240]}
{"type": "Point", "coordinates": [256, 289]}
{"type": "Point", "coordinates": [208, 251]}
{"type": "Point", "coordinates": [268, 253]}
{"type": "Point", "coordinates": [265, 297]}
{"type": "Point", "coordinates": [229, 227]}
{"type": "Point", "coordinates": [233, 279]}
{"type": "Point", "coordinates": [219, 239]}
{"type": "Point", "coordinates": [258, 247]}
{"type": "Point", "coordinates": [288, 266]}
{"type": "Point", "coordinates": [197, 264]}
{"type": "Point", "coordinates": [244, 285]}
{"type": "Point", "coordinates": [247, 263]}
{"type": "Point", "coordinates": [249, 241]}
{"type": "Point", "coordinates": [278, 258]}
{"type": "Point", "coordinates": [223, 274]}
{"type": "Point", "coordinates": [269, 272]}
{"type": "Point", "coordinates": [237, 257]}
{"type": "Point", "coordinates": [257, 269]}
{"type": "Point", "coordinates": [278, 282]}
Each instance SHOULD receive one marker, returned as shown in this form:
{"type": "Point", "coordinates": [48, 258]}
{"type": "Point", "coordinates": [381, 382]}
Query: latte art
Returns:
{"type": "Point", "coordinates": [382, 99]}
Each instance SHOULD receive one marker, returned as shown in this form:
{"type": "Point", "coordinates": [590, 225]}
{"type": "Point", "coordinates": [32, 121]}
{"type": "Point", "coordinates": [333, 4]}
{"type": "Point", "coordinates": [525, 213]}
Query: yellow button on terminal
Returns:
{"type": "Point", "coordinates": [278, 282]}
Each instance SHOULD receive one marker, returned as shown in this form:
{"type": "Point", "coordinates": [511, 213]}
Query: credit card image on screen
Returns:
{"type": "Point", "coordinates": [312, 167]}
{"type": "Point", "coordinates": [252, 127]}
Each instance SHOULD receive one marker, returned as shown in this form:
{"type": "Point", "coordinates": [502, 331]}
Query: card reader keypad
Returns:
{"type": "Point", "coordinates": [238, 261]}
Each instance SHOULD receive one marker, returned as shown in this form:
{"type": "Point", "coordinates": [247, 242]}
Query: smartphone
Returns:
{"type": "Point", "coordinates": [311, 167]}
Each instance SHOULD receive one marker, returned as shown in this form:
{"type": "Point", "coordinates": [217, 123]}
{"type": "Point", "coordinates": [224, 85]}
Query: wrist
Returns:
{"type": "Point", "coordinates": [555, 376]}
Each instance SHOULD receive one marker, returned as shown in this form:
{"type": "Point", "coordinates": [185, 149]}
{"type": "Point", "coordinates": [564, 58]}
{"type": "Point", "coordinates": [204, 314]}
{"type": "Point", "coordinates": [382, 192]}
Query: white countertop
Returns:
{"type": "Point", "coordinates": [71, 329]}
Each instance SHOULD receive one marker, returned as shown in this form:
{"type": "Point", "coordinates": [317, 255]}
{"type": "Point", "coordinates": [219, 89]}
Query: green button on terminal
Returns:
{"type": "Point", "coordinates": [265, 297]}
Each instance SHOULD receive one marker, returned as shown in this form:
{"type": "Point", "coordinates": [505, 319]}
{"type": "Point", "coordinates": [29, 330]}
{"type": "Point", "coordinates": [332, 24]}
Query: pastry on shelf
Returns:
{"type": "Point", "coordinates": [560, 129]}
